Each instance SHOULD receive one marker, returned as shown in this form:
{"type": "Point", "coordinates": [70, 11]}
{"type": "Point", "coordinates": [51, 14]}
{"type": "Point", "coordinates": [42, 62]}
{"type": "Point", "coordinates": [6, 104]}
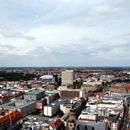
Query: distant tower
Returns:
{"type": "Point", "coordinates": [67, 77]}
{"type": "Point", "coordinates": [72, 120]}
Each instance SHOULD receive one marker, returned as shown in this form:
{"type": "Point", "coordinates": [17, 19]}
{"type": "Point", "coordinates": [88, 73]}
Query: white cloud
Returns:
{"type": "Point", "coordinates": [106, 9]}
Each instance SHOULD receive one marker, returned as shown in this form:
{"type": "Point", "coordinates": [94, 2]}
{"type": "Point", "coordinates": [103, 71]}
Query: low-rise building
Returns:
{"type": "Point", "coordinates": [9, 118]}
{"type": "Point", "coordinates": [120, 88]}
{"type": "Point", "coordinates": [23, 106]}
{"type": "Point", "coordinates": [51, 109]}
{"type": "Point", "coordinates": [109, 110]}
{"type": "Point", "coordinates": [71, 93]}
{"type": "Point", "coordinates": [34, 95]}
{"type": "Point", "coordinates": [51, 97]}
{"type": "Point", "coordinates": [36, 123]}
{"type": "Point", "coordinates": [81, 125]}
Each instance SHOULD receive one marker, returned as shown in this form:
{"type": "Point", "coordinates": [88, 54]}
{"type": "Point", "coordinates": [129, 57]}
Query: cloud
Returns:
{"type": "Point", "coordinates": [78, 44]}
{"type": "Point", "coordinates": [106, 9]}
{"type": "Point", "coordinates": [126, 35]}
{"type": "Point", "coordinates": [13, 50]}
{"type": "Point", "coordinates": [70, 55]}
{"type": "Point", "coordinates": [64, 32]}
{"type": "Point", "coordinates": [9, 33]}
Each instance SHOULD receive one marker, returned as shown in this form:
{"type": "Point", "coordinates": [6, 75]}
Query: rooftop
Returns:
{"type": "Point", "coordinates": [35, 91]}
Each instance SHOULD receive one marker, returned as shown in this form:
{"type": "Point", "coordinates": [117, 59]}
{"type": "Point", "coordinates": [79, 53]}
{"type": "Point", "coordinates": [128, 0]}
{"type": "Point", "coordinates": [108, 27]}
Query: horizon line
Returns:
{"type": "Point", "coordinates": [64, 66]}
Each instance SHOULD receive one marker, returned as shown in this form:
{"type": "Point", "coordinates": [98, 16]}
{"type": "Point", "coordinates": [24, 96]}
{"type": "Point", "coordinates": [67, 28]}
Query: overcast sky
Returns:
{"type": "Point", "coordinates": [64, 33]}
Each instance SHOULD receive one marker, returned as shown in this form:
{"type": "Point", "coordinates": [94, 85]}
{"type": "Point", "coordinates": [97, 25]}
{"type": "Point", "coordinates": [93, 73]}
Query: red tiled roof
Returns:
{"type": "Point", "coordinates": [56, 124]}
{"type": "Point", "coordinates": [122, 87]}
{"type": "Point", "coordinates": [14, 116]}
{"type": "Point", "coordinates": [100, 95]}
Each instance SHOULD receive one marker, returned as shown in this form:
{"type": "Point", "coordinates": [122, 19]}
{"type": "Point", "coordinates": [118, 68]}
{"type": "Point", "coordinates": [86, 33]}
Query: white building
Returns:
{"type": "Point", "coordinates": [53, 108]}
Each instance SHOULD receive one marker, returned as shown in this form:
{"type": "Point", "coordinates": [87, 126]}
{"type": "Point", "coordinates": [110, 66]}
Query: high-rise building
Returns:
{"type": "Point", "coordinates": [67, 77]}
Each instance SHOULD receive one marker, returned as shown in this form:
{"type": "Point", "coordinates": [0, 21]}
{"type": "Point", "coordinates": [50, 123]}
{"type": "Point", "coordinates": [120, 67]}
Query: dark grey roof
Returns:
{"type": "Point", "coordinates": [81, 125]}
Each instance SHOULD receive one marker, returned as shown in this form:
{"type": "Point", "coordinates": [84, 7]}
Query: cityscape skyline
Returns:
{"type": "Point", "coordinates": [64, 33]}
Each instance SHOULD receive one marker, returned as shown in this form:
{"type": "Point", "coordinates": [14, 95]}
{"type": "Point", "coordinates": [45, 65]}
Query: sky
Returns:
{"type": "Point", "coordinates": [39, 33]}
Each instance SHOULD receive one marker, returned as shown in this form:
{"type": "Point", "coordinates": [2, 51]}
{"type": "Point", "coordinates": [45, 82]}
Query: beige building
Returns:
{"type": "Point", "coordinates": [89, 87]}
{"type": "Point", "coordinates": [67, 77]}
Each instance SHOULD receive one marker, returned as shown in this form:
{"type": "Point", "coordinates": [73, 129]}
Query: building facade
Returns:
{"type": "Point", "coordinates": [67, 77]}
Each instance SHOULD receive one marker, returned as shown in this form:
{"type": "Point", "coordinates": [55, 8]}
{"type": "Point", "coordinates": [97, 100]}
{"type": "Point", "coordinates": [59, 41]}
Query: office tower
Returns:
{"type": "Point", "coordinates": [67, 77]}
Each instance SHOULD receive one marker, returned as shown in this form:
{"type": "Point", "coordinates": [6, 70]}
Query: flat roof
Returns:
{"type": "Point", "coordinates": [34, 92]}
